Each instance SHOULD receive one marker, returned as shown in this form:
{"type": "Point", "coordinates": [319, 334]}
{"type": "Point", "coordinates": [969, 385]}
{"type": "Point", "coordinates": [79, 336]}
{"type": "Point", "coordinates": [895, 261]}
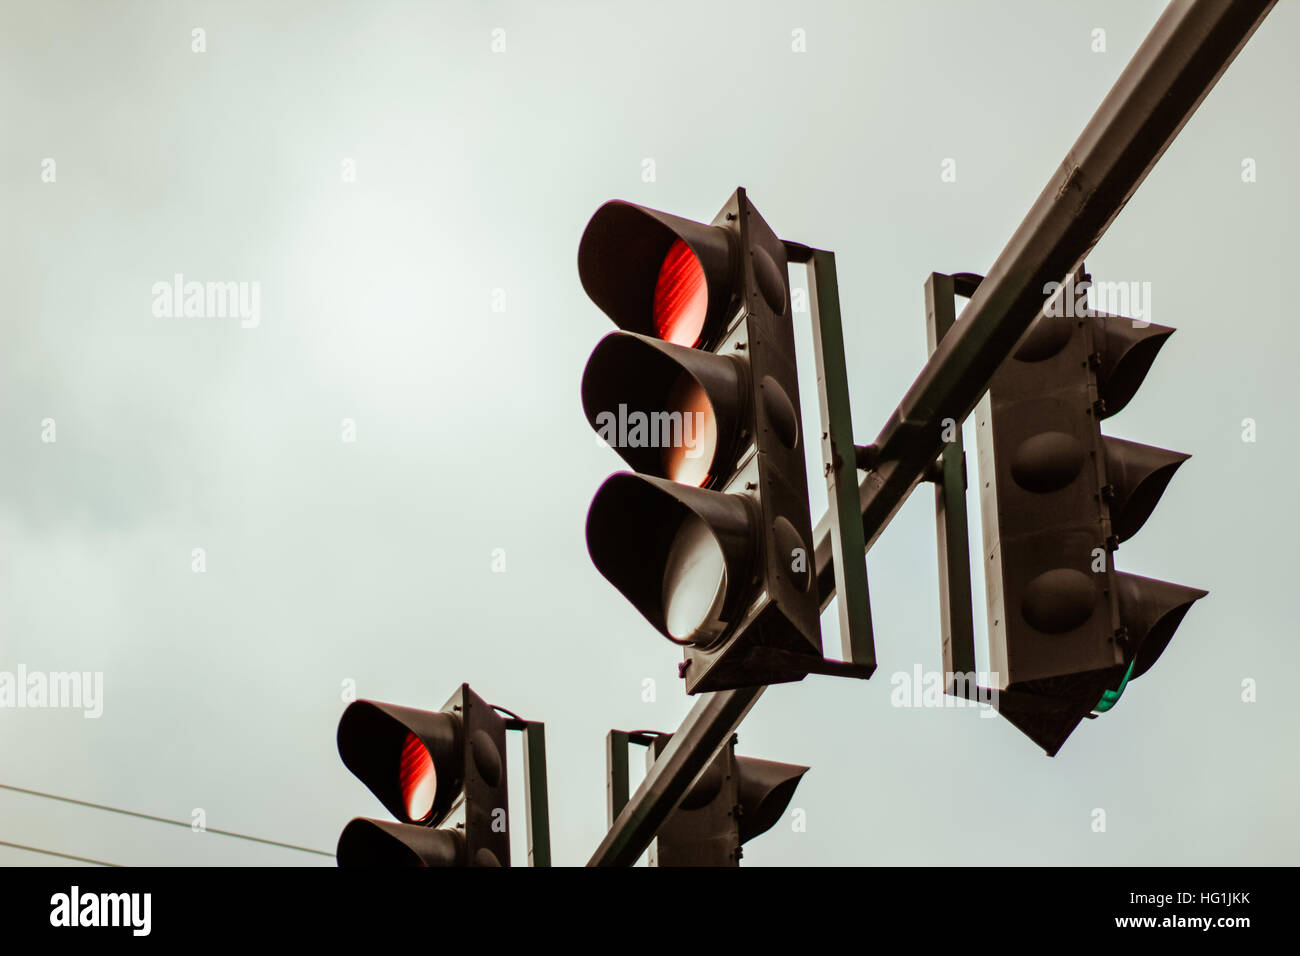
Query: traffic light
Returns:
{"type": "Point", "coordinates": [709, 536]}
{"type": "Point", "coordinates": [423, 765]}
{"type": "Point", "coordinates": [1067, 632]}
{"type": "Point", "coordinates": [731, 802]}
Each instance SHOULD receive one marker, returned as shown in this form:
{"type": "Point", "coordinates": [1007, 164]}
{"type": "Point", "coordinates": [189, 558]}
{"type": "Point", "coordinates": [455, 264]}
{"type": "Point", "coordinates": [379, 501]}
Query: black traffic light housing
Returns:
{"type": "Point", "coordinates": [732, 801]}
{"type": "Point", "coordinates": [1067, 632]}
{"type": "Point", "coordinates": [729, 538]}
{"type": "Point", "coordinates": [398, 752]}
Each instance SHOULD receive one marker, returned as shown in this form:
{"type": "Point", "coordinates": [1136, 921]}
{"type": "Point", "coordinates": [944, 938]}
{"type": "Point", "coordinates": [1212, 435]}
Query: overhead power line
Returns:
{"type": "Point", "coordinates": [157, 819]}
{"type": "Point", "coordinates": [66, 856]}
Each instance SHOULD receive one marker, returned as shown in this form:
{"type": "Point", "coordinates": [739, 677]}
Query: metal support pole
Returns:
{"type": "Point", "coordinates": [616, 785]}
{"type": "Point", "coordinates": [704, 731]}
{"type": "Point", "coordinates": [956, 622]}
{"type": "Point", "coordinates": [1170, 74]}
{"type": "Point", "coordinates": [538, 807]}
{"type": "Point", "coordinates": [1173, 70]}
{"type": "Point", "coordinates": [848, 547]}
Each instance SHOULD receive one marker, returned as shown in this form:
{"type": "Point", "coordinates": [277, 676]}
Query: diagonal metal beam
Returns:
{"type": "Point", "coordinates": [1170, 74]}
{"type": "Point", "coordinates": [692, 748]}
{"type": "Point", "coordinates": [1176, 66]}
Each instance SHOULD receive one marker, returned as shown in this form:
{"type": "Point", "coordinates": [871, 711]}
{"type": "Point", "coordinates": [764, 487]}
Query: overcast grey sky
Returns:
{"type": "Point", "coordinates": [329, 561]}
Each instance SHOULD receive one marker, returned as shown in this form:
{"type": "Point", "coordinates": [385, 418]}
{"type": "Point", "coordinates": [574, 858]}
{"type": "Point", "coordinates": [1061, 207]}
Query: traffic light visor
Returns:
{"type": "Point", "coordinates": [668, 411]}
{"type": "Point", "coordinates": [1151, 611]}
{"type": "Point", "coordinates": [766, 788]}
{"type": "Point", "coordinates": [657, 274]}
{"type": "Point", "coordinates": [1126, 351]}
{"type": "Point", "coordinates": [380, 843]}
{"type": "Point", "coordinates": [680, 555]}
{"type": "Point", "coordinates": [410, 759]}
{"type": "Point", "coordinates": [1138, 475]}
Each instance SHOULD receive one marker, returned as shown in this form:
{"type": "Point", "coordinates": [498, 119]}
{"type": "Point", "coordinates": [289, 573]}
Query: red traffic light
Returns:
{"type": "Point", "coordinates": [681, 297]}
{"type": "Point", "coordinates": [658, 274]}
{"type": "Point", "coordinates": [711, 538]}
{"type": "Point", "coordinates": [421, 765]}
{"type": "Point", "coordinates": [419, 779]}
{"type": "Point", "coordinates": [410, 759]}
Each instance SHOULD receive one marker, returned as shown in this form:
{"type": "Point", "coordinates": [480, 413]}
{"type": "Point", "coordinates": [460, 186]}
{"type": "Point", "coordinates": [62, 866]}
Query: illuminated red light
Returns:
{"type": "Point", "coordinates": [681, 297]}
{"type": "Point", "coordinates": [418, 778]}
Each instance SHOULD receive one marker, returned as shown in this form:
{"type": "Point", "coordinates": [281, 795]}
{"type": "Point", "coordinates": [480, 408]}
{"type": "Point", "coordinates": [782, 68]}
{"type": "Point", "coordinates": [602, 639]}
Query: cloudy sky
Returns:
{"type": "Point", "coordinates": [406, 184]}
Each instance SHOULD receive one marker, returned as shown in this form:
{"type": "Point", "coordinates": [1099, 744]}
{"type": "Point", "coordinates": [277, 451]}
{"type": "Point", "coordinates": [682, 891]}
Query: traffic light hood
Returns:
{"type": "Point", "coordinates": [622, 255]}
{"type": "Point", "coordinates": [632, 526]}
{"type": "Point", "coordinates": [1138, 475]}
{"type": "Point", "coordinates": [375, 742]}
{"type": "Point", "coordinates": [1151, 611]}
{"type": "Point", "coordinates": [766, 788]}
{"type": "Point", "coordinates": [669, 411]}
{"type": "Point", "coordinates": [381, 843]}
{"type": "Point", "coordinates": [1126, 350]}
